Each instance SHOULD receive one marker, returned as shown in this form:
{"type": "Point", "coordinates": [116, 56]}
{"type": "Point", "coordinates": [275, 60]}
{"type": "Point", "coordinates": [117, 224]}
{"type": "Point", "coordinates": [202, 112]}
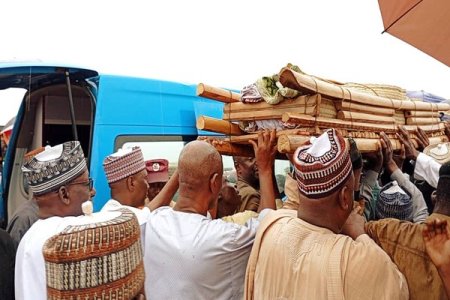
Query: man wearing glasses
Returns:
{"type": "Point", "coordinates": [59, 180]}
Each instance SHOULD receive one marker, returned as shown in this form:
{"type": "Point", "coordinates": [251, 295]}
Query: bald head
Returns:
{"type": "Point", "coordinates": [198, 161]}
{"type": "Point", "coordinates": [200, 178]}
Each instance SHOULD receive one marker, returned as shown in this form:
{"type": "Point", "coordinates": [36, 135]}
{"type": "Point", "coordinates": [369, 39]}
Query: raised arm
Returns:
{"type": "Point", "coordinates": [426, 168]}
{"type": "Point", "coordinates": [420, 210]}
{"type": "Point", "coordinates": [369, 185]}
{"type": "Point", "coordinates": [165, 196]}
{"type": "Point", "coordinates": [265, 150]}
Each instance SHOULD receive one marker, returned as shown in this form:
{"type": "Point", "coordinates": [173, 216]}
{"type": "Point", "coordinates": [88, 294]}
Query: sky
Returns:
{"type": "Point", "coordinates": [222, 43]}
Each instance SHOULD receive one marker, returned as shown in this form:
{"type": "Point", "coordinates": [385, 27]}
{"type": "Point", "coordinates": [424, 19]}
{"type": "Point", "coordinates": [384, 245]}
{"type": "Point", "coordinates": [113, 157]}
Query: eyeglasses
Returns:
{"type": "Point", "coordinates": [89, 183]}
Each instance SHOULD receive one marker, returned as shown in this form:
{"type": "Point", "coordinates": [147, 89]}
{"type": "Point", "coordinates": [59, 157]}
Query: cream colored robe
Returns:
{"type": "Point", "coordinates": [292, 259]}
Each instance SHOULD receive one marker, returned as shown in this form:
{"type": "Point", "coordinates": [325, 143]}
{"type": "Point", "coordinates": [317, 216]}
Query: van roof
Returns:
{"type": "Point", "coordinates": [39, 74]}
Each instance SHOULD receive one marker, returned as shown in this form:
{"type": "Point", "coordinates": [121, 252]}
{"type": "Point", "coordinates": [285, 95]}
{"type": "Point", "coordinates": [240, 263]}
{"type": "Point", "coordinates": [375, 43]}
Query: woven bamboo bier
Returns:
{"type": "Point", "coordinates": [321, 105]}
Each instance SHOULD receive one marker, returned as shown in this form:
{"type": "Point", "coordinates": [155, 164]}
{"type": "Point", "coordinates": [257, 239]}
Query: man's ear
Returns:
{"type": "Point", "coordinates": [64, 196]}
{"type": "Point", "coordinates": [215, 183]}
{"type": "Point", "coordinates": [238, 168]}
{"type": "Point", "coordinates": [131, 183]}
{"type": "Point", "coordinates": [344, 199]}
{"type": "Point", "coordinates": [434, 197]}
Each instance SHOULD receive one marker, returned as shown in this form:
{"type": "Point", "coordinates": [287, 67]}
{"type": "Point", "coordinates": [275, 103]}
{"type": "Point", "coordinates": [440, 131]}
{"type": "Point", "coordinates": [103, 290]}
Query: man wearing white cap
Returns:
{"type": "Point", "coordinates": [59, 180]}
{"type": "Point", "coordinates": [303, 255]}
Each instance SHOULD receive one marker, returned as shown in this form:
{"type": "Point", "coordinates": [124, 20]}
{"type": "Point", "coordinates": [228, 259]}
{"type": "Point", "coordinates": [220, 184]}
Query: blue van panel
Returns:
{"type": "Point", "coordinates": [138, 106]}
{"type": "Point", "coordinates": [154, 102]}
{"type": "Point", "coordinates": [9, 161]}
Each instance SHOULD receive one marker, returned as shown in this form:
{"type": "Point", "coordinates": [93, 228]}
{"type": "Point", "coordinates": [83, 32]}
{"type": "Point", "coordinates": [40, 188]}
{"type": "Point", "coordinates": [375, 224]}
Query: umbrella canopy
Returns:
{"type": "Point", "coordinates": [423, 24]}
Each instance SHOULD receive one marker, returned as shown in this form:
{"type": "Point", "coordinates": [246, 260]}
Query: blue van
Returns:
{"type": "Point", "coordinates": [103, 112]}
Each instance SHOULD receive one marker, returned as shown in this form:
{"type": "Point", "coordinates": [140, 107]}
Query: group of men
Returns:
{"type": "Point", "coordinates": [319, 246]}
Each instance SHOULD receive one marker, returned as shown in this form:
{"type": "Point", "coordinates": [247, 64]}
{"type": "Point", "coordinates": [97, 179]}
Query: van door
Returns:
{"type": "Point", "coordinates": [58, 105]}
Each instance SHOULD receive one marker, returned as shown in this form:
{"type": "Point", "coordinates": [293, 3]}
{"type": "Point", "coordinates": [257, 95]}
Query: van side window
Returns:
{"type": "Point", "coordinates": [153, 147]}
{"type": "Point", "coordinates": [169, 147]}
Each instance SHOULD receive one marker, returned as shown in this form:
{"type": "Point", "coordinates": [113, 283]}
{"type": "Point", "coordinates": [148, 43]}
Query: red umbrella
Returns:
{"type": "Point", "coordinates": [424, 24]}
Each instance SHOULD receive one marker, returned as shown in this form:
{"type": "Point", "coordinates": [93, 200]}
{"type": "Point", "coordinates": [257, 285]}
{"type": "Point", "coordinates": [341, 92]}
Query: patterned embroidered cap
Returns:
{"type": "Point", "coordinates": [100, 257]}
{"type": "Point", "coordinates": [123, 163]}
{"type": "Point", "coordinates": [157, 170]}
{"type": "Point", "coordinates": [394, 202]}
{"type": "Point", "coordinates": [54, 167]}
{"type": "Point", "coordinates": [323, 166]}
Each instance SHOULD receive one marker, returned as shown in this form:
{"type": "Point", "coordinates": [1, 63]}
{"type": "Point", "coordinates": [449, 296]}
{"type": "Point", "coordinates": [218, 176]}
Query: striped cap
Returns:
{"type": "Point", "coordinates": [123, 163]}
{"type": "Point", "coordinates": [394, 202]}
{"type": "Point", "coordinates": [322, 167]}
{"type": "Point", "coordinates": [54, 167]}
{"type": "Point", "coordinates": [98, 258]}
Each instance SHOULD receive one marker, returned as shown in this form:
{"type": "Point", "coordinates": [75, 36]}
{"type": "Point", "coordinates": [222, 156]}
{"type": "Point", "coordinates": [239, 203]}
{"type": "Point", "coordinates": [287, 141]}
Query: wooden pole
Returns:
{"type": "Point", "coordinates": [227, 148]}
{"type": "Point", "coordinates": [422, 121]}
{"type": "Point", "coordinates": [333, 123]}
{"type": "Point", "coordinates": [364, 117]}
{"type": "Point", "coordinates": [218, 94]}
{"type": "Point", "coordinates": [243, 139]}
{"type": "Point", "coordinates": [421, 114]}
{"type": "Point", "coordinates": [219, 126]}
{"type": "Point", "coordinates": [353, 106]}
{"type": "Point", "coordinates": [299, 102]}
{"type": "Point", "coordinates": [289, 143]}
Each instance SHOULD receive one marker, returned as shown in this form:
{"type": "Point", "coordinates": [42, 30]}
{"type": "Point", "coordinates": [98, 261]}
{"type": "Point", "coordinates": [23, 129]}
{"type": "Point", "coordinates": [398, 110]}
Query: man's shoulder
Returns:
{"type": "Point", "coordinates": [111, 204]}
{"type": "Point", "coordinates": [390, 227]}
{"type": "Point", "coordinates": [247, 189]}
{"type": "Point", "coordinates": [39, 232]}
{"type": "Point", "coordinates": [243, 185]}
{"type": "Point", "coordinates": [26, 212]}
{"type": "Point", "coordinates": [141, 213]}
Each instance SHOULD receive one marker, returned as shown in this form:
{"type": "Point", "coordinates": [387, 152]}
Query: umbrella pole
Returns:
{"type": "Point", "coordinates": [406, 12]}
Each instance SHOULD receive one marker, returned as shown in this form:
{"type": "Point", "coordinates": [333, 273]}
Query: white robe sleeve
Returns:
{"type": "Point", "coordinates": [427, 169]}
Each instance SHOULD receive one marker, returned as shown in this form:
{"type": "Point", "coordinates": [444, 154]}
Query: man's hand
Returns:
{"type": "Point", "coordinates": [386, 145]}
{"type": "Point", "coordinates": [265, 149]}
{"type": "Point", "coordinates": [422, 139]}
{"type": "Point", "coordinates": [410, 151]}
{"type": "Point", "coordinates": [354, 226]}
{"type": "Point", "coordinates": [399, 157]}
{"type": "Point", "coordinates": [375, 159]}
{"type": "Point", "coordinates": [437, 243]}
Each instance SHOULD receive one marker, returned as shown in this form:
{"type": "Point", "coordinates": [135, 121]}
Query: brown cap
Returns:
{"type": "Point", "coordinates": [157, 170]}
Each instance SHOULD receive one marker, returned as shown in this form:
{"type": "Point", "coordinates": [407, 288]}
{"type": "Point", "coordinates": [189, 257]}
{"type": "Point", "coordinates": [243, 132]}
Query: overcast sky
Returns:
{"type": "Point", "coordinates": [222, 43]}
